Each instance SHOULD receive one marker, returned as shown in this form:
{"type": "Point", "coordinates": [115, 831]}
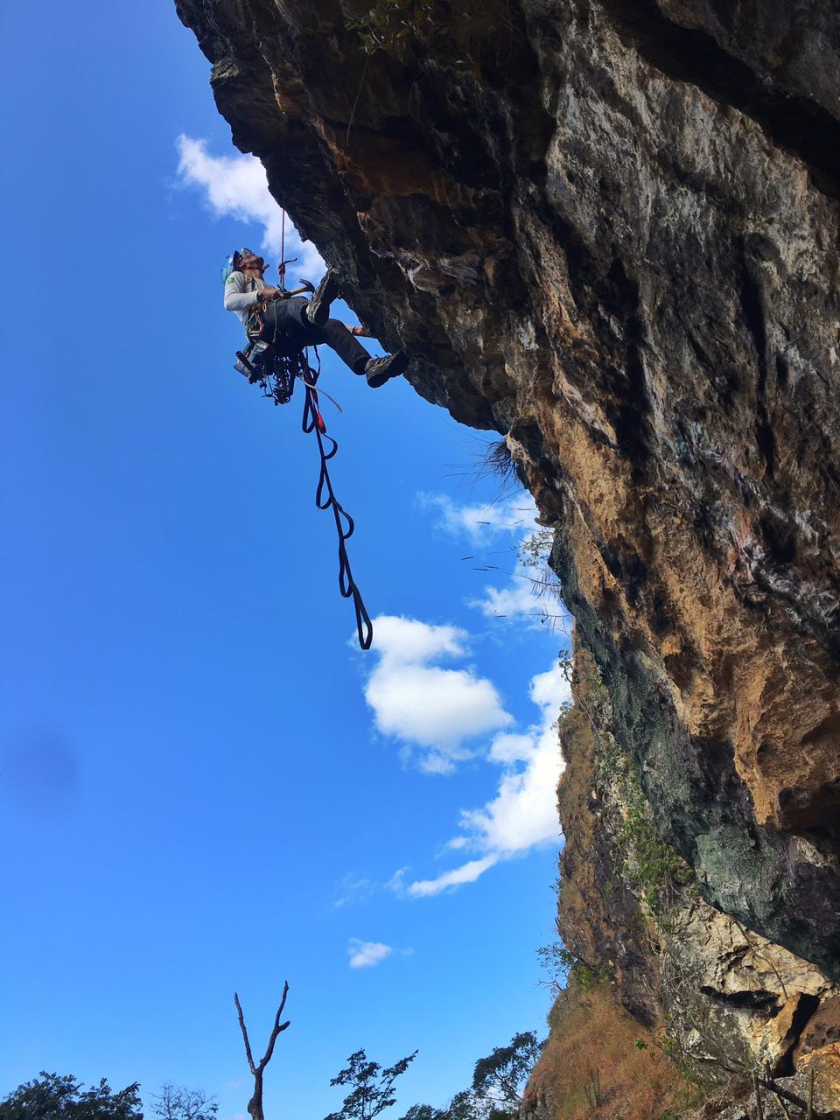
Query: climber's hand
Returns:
{"type": "Point", "coordinates": [271, 293]}
{"type": "Point", "coordinates": [361, 332]}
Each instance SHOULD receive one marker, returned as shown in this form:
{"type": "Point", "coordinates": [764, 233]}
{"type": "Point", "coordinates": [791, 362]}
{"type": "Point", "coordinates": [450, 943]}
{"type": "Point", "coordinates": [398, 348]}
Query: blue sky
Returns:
{"type": "Point", "coordinates": [204, 785]}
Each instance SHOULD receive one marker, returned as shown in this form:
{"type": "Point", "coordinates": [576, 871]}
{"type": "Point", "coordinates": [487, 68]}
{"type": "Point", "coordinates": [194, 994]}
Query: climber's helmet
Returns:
{"type": "Point", "coordinates": [247, 257]}
{"type": "Point", "coordinates": [237, 260]}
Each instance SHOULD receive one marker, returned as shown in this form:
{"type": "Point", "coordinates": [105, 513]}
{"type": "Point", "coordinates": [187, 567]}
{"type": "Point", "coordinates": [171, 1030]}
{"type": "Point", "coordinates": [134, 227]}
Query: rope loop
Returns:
{"type": "Point", "coordinates": [325, 499]}
{"type": "Point", "coordinates": [278, 386]}
{"type": "Point", "coordinates": [324, 496]}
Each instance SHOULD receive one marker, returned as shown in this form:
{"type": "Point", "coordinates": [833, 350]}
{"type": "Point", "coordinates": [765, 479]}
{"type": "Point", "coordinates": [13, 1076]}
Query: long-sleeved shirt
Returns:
{"type": "Point", "coordinates": [241, 293]}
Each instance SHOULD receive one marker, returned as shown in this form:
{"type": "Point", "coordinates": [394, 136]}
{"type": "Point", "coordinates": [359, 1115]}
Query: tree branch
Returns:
{"type": "Point", "coordinates": [244, 1030]}
{"type": "Point", "coordinates": [278, 1027]}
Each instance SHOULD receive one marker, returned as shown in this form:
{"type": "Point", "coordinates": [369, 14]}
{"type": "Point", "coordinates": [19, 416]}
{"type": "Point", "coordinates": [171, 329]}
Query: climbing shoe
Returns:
{"type": "Point", "coordinates": [379, 370]}
{"type": "Point", "coordinates": [318, 308]}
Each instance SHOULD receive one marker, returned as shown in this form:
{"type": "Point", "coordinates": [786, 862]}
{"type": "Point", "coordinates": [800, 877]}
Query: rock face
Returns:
{"type": "Point", "coordinates": [631, 913]}
{"type": "Point", "coordinates": [608, 229]}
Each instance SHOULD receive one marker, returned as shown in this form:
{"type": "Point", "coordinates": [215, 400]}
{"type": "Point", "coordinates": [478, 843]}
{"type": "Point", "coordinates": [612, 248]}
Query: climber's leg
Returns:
{"type": "Point", "coordinates": [380, 370]}
{"type": "Point", "coordinates": [318, 309]}
{"type": "Point", "coordinates": [287, 319]}
{"type": "Point", "coordinates": [335, 335]}
{"type": "Point", "coordinates": [282, 322]}
{"type": "Point", "coordinates": [353, 354]}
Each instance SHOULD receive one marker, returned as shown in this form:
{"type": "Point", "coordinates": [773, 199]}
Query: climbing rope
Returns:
{"type": "Point", "coordinates": [278, 386]}
{"type": "Point", "coordinates": [325, 499]}
{"type": "Point", "coordinates": [281, 268]}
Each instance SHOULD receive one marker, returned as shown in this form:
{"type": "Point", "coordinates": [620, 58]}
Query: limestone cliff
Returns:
{"type": "Point", "coordinates": [608, 229]}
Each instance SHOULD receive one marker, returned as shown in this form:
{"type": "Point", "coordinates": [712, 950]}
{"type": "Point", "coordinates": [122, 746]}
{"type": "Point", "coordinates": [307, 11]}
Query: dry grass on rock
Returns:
{"type": "Point", "coordinates": [594, 1067]}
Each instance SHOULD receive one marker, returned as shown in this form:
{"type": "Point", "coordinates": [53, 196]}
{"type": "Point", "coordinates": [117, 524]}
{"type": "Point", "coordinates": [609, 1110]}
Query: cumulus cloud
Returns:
{"type": "Point", "coordinates": [367, 954]}
{"type": "Point", "coordinates": [523, 813]}
{"type": "Point", "coordinates": [511, 747]}
{"type": "Point", "coordinates": [443, 711]}
{"type": "Point", "coordinates": [436, 711]}
{"type": "Point", "coordinates": [481, 522]}
{"type": "Point", "coordinates": [236, 187]}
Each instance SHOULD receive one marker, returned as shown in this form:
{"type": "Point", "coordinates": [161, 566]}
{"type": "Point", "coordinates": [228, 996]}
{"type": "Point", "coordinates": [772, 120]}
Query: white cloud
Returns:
{"type": "Point", "coordinates": [527, 599]}
{"type": "Point", "coordinates": [236, 187]}
{"type": "Point", "coordinates": [367, 954]}
{"type": "Point", "coordinates": [352, 888]}
{"type": "Point", "coordinates": [444, 710]}
{"type": "Point", "coordinates": [550, 690]}
{"type": "Point", "coordinates": [467, 873]}
{"type": "Point", "coordinates": [406, 640]}
{"type": "Point", "coordinates": [511, 748]}
{"type": "Point", "coordinates": [515, 601]}
{"type": "Point", "coordinates": [397, 881]}
{"type": "Point", "coordinates": [523, 813]}
{"type": "Point", "coordinates": [481, 522]}
{"type": "Point", "coordinates": [423, 705]}
{"type": "Point", "coordinates": [433, 707]}
{"type": "Point", "coordinates": [523, 599]}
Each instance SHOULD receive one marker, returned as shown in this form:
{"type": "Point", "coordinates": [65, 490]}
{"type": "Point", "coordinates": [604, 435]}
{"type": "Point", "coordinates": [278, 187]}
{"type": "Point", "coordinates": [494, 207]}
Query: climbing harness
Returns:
{"type": "Point", "coordinates": [276, 376]}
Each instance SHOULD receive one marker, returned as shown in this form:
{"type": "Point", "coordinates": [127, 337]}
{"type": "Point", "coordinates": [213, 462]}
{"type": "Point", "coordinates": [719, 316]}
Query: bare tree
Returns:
{"type": "Point", "coordinates": [255, 1105]}
{"type": "Point", "coordinates": [175, 1103]}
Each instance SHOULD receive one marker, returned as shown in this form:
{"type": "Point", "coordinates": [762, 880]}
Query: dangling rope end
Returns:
{"type": "Point", "coordinates": [325, 498]}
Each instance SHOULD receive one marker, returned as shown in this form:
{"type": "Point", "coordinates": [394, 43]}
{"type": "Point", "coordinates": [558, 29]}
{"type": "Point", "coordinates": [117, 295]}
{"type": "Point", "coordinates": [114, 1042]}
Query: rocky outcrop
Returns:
{"type": "Point", "coordinates": [609, 230]}
{"type": "Point", "coordinates": [727, 1000]}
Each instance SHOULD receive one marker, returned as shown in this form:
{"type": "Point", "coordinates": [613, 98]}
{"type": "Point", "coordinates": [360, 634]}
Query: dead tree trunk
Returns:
{"type": "Point", "coordinates": [255, 1104]}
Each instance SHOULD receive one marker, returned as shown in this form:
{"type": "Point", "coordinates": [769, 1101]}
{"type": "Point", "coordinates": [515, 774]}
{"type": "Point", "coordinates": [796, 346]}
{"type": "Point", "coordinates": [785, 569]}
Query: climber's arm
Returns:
{"type": "Point", "coordinates": [236, 298]}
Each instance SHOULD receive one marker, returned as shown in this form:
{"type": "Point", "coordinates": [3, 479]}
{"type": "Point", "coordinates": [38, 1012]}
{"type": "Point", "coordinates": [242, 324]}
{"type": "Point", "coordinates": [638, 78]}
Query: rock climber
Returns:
{"type": "Point", "coordinates": [291, 323]}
